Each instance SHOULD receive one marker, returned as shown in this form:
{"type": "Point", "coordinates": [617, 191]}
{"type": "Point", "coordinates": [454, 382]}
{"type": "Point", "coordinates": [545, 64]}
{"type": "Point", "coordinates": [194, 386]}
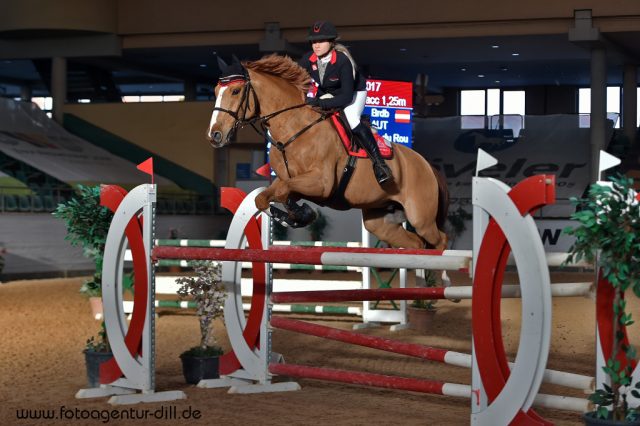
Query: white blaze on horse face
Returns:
{"type": "Point", "coordinates": [214, 116]}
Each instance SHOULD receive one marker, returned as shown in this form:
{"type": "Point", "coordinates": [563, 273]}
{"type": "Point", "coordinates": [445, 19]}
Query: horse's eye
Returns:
{"type": "Point", "coordinates": [235, 91]}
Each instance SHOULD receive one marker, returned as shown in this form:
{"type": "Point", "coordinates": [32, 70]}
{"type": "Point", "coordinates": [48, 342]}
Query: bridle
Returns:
{"type": "Point", "coordinates": [260, 123]}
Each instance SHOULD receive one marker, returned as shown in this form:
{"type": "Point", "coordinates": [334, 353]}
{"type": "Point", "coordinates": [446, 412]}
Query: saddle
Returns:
{"type": "Point", "coordinates": [349, 141]}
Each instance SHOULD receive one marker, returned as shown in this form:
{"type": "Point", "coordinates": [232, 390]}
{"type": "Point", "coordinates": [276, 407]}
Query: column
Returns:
{"type": "Point", "coordinates": [598, 107]}
{"type": "Point", "coordinates": [630, 102]}
{"type": "Point", "coordinates": [190, 91]}
{"type": "Point", "coordinates": [26, 93]}
{"type": "Point", "coordinates": [59, 87]}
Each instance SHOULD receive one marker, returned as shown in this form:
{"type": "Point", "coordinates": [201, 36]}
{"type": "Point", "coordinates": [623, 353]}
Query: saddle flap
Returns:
{"type": "Point", "coordinates": [386, 150]}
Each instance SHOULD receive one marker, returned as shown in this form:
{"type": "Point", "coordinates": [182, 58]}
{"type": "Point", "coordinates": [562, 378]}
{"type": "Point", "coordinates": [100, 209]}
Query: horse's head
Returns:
{"type": "Point", "coordinates": [236, 103]}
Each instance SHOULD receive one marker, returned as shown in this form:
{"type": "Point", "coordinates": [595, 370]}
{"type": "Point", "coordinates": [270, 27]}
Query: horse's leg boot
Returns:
{"type": "Point", "coordinates": [380, 169]}
{"type": "Point", "coordinates": [300, 215]}
{"type": "Point", "coordinates": [279, 216]}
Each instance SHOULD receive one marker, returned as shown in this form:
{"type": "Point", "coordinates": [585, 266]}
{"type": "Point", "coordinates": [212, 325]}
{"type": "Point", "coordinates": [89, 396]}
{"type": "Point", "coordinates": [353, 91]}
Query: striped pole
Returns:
{"type": "Point", "coordinates": [428, 293]}
{"type": "Point", "coordinates": [221, 243]}
{"type": "Point", "coordinates": [579, 405]}
{"type": "Point", "coordinates": [382, 258]}
{"type": "Point", "coordinates": [445, 356]}
{"type": "Point", "coordinates": [296, 309]}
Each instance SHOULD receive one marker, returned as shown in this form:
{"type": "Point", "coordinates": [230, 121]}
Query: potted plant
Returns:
{"type": "Point", "coordinates": [87, 225]}
{"type": "Point", "coordinates": [318, 227]}
{"type": "Point", "coordinates": [96, 352]}
{"type": "Point", "coordinates": [206, 290]}
{"type": "Point", "coordinates": [608, 230]}
{"type": "Point", "coordinates": [421, 312]}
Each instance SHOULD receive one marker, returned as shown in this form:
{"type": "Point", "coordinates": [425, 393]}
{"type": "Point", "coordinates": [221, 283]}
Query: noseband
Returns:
{"type": "Point", "coordinates": [243, 106]}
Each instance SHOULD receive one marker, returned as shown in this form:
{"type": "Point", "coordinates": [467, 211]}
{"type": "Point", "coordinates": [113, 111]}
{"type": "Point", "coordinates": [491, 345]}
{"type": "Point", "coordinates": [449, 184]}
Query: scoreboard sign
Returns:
{"type": "Point", "coordinates": [389, 104]}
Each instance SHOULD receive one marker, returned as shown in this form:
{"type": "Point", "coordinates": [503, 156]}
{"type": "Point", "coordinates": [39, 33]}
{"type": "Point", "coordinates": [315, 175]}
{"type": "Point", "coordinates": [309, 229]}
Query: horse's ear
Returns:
{"type": "Point", "coordinates": [222, 65]}
{"type": "Point", "coordinates": [234, 59]}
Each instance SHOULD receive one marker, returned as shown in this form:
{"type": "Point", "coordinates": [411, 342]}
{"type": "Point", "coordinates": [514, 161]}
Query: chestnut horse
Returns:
{"type": "Point", "coordinates": [308, 156]}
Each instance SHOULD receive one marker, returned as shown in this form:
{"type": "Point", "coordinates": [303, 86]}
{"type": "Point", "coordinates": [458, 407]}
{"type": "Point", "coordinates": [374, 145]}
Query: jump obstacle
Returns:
{"type": "Point", "coordinates": [501, 395]}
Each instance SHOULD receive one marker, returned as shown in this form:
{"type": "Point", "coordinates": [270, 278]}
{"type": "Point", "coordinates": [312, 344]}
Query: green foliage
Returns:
{"type": "Point", "coordinates": [87, 225]}
{"type": "Point", "coordinates": [609, 230]}
{"type": "Point", "coordinates": [207, 351]}
{"type": "Point", "coordinates": [208, 292]}
{"type": "Point", "coordinates": [318, 227]}
{"type": "Point", "coordinates": [101, 344]}
{"type": "Point", "coordinates": [457, 220]}
{"type": "Point", "coordinates": [430, 305]}
{"type": "Point", "coordinates": [280, 232]}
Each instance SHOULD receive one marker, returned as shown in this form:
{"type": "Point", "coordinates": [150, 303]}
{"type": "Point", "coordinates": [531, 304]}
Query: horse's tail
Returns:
{"type": "Point", "coordinates": [443, 199]}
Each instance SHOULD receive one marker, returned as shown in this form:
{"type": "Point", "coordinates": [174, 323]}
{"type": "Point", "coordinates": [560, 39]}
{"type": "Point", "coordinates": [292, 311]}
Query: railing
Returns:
{"type": "Point", "coordinates": [19, 199]}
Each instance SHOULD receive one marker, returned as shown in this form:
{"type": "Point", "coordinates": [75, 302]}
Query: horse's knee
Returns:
{"type": "Point", "coordinates": [262, 201]}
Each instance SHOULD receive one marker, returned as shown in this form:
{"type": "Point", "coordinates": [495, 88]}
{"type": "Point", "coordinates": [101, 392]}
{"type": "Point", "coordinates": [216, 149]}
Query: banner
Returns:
{"type": "Point", "coordinates": [550, 144]}
{"type": "Point", "coordinates": [28, 135]}
{"type": "Point", "coordinates": [389, 105]}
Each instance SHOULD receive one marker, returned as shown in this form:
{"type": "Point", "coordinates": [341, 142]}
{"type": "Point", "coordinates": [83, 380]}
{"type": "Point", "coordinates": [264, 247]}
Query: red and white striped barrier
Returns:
{"type": "Point", "coordinates": [369, 257]}
{"type": "Point", "coordinates": [436, 387]}
{"type": "Point", "coordinates": [445, 356]}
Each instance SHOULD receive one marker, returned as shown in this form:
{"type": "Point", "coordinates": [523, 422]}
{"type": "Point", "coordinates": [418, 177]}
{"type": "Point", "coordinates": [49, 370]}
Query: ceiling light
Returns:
{"type": "Point", "coordinates": [504, 69]}
{"type": "Point", "coordinates": [497, 81]}
{"type": "Point", "coordinates": [203, 65]}
{"type": "Point", "coordinates": [495, 46]}
{"type": "Point", "coordinates": [481, 75]}
{"type": "Point", "coordinates": [463, 69]}
{"type": "Point", "coordinates": [515, 54]}
{"type": "Point", "coordinates": [403, 49]}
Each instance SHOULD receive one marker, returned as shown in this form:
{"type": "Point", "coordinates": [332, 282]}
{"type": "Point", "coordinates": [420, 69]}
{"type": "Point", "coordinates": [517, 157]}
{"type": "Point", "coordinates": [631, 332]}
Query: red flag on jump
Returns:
{"type": "Point", "coordinates": [147, 167]}
{"type": "Point", "coordinates": [264, 170]}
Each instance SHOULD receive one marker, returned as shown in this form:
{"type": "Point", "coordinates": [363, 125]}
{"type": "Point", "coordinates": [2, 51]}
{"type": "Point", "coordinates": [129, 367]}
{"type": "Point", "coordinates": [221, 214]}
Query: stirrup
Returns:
{"type": "Point", "coordinates": [382, 173]}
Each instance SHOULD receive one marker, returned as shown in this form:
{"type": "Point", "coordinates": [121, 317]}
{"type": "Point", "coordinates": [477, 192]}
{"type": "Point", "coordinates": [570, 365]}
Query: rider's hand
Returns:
{"type": "Point", "coordinates": [312, 102]}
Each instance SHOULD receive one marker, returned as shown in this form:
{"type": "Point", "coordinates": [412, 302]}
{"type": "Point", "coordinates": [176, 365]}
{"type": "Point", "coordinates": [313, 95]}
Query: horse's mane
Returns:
{"type": "Point", "coordinates": [283, 67]}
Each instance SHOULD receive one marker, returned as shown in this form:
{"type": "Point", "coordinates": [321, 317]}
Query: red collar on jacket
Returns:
{"type": "Point", "coordinates": [334, 57]}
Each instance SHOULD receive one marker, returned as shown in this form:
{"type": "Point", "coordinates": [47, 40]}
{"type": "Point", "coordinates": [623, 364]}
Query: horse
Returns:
{"type": "Point", "coordinates": [309, 157]}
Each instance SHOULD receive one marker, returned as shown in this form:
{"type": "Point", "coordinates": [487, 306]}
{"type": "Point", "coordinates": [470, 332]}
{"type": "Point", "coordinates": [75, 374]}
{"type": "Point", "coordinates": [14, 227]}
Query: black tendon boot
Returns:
{"type": "Point", "coordinates": [368, 142]}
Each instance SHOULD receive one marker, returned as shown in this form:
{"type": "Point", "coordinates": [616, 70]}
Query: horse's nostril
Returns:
{"type": "Point", "coordinates": [217, 136]}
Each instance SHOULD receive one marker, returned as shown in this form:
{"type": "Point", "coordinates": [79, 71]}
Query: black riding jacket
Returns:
{"type": "Point", "coordinates": [338, 79]}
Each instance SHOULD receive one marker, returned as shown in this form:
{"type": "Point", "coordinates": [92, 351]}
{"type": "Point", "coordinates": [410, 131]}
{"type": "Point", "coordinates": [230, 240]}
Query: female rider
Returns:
{"type": "Point", "coordinates": [338, 84]}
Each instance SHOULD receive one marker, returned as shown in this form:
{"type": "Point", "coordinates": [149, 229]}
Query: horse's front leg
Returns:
{"type": "Point", "coordinates": [272, 193]}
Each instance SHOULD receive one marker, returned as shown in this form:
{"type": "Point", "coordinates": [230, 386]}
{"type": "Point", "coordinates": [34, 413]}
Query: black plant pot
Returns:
{"type": "Point", "coordinates": [590, 419]}
{"type": "Point", "coordinates": [93, 360]}
{"type": "Point", "coordinates": [195, 368]}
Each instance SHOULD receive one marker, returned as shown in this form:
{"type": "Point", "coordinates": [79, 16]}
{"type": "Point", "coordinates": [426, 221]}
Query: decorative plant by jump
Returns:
{"type": "Point", "coordinates": [430, 281]}
{"type": "Point", "coordinates": [207, 291]}
{"type": "Point", "coordinates": [87, 226]}
{"type": "Point", "coordinates": [457, 225]}
{"type": "Point", "coordinates": [101, 344]}
{"type": "Point", "coordinates": [609, 229]}
{"type": "Point", "coordinates": [318, 227]}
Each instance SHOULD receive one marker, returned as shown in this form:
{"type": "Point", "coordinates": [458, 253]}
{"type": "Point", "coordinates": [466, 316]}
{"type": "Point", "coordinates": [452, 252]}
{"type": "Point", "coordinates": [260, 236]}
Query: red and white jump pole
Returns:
{"type": "Point", "coordinates": [339, 256]}
{"type": "Point", "coordinates": [415, 385]}
{"type": "Point", "coordinates": [445, 356]}
{"type": "Point", "coordinates": [429, 293]}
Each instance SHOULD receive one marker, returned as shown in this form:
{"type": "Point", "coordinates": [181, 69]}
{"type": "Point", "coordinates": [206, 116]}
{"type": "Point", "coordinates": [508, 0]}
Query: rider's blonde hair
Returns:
{"type": "Point", "coordinates": [342, 48]}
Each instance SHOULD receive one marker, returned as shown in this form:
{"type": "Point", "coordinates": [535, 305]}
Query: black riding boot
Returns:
{"type": "Point", "coordinates": [368, 142]}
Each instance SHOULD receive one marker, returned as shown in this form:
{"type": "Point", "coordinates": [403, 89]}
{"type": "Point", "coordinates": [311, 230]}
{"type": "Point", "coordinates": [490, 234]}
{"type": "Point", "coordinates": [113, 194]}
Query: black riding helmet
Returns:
{"type": "Point", "coordinates": [322, 30]}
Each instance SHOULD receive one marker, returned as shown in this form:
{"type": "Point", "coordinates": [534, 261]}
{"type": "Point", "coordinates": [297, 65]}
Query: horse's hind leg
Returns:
{"type": "Point", "coordinates": [424, 223]}
{"type": "Point", "coordinates": [376, 222]}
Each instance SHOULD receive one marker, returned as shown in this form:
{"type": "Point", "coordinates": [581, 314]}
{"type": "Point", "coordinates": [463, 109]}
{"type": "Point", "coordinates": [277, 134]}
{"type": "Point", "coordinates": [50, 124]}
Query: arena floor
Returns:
{"type": "Point", "coordinates": [45, 324]}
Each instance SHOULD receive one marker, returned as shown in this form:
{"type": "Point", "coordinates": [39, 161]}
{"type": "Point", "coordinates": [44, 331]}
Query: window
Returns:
{"type": "Point", "coordinates": [613, 106]}
{"type": "Point", "coordinates": [472, 109]}
{"type": "Point", "coordinates": [44, 103]}
{"type": "Point", "coordinates": [513, 102]}
{"type": "Point", "coordinates": [505, 109]}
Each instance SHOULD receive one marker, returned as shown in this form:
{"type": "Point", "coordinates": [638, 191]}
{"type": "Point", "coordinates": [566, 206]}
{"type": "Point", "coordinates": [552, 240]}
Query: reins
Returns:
{"type": "Point", "coordinates": [262, 121]}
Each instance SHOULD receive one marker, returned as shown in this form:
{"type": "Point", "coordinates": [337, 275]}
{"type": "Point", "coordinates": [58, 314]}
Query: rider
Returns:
{"type": "Point", "coordinates": [340, 85]}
